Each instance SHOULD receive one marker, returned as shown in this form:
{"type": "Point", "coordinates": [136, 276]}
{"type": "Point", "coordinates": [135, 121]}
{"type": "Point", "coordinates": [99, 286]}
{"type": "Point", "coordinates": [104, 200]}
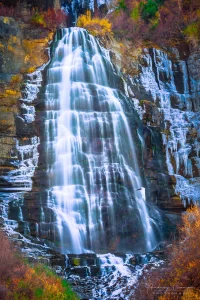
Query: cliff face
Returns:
{"type": "Point", "coordinates": [23, 48]}
{"type": "Point", "coordinates": [21, 51]}
{"type": "Point", "coordinates": [164, 88]}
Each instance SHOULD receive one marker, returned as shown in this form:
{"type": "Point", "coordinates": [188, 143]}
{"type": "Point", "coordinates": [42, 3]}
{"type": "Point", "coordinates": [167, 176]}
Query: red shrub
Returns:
{"type": "Point", "coordinates": [54, 17]}
{"type": "Point", "coordinates": [6, 11]}
{"type": "Point", "coordinates": [9, 262]}
{"type": "Point", "coordinates": [182, 271]}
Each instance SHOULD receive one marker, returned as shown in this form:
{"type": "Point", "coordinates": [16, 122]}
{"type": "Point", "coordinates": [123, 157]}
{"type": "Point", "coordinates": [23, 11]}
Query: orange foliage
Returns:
{"type": "Point", "coordinates": [39, 282]}
{"type": "Point", "coordinates": [182, 272]}
{"type": "Point", "coordinates": [95, 26]}
{"type": "Point", "coordinates": [20, 281]}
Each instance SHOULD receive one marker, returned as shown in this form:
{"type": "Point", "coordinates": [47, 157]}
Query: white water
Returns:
{"type": "Point", "coordinates": [90, 4]}
{"type": "Point", "coordinates": [119, 277]}
{"type": "Point", "coordinates": [94, 178]}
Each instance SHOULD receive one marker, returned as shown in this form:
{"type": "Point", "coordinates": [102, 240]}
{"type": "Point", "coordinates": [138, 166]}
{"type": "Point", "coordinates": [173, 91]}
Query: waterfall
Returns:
{"type": "Point", "coordinates": [95, 187]}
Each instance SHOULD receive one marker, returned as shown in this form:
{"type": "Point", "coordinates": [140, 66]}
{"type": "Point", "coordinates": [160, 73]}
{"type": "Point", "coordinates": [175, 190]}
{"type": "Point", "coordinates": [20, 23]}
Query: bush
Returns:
{"type": "Point", "coordinates": [135, 14]}
{"type": "Point", "coordinates": [49, 19]}
{"type": "Point", "coordinates": [95, 26]}
{"type": "Point", "coordinates": [6, 11]}
{"type": "Point", "coordinates": [54, 17]}
{"type": "Point", "coordinates": [165, 23]}
{"type": "Point", "coordinates": [19, 281]}
{"type": "Point", "coordinates": [40, 282]}
{"type": "Point", "coordinates": [183, 267]}
{"type": "Point", "coordinates": [192, 33]}
{"type": "Point", "coordinates": [149, 9]}
{"type": "Point", "coordinates": [10, 262]}
{"type": "Point", "coordinates": [122, 5]}
{"type": "Point", "coordinates": [38, 19]}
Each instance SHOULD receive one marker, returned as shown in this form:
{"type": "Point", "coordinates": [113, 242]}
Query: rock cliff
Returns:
{"type": "Point", "coordinates": [164, 88]}
{"type": "Point", "coordinates": [22, 50]}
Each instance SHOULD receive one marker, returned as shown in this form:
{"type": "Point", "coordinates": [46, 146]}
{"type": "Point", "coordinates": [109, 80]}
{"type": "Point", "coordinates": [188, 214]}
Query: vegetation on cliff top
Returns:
{"type": "Point", "coordinates": [49, 19]}
{"type": "Point", "coordinates": [163, 22]}
{"type": "Point", "coordinates": [179, 277]}
{"type": "Point", "coordinates": [96, 26]}
{"type": "Point", "coordinates": [20, 281]}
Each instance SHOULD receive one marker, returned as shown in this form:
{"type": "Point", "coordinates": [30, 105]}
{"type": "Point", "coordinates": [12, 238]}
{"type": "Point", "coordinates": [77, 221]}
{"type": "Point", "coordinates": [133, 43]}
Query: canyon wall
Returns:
{"type": "Point", "coordinates": [163, 86]}
{"type": "Point", "coordinates": [22, 50]}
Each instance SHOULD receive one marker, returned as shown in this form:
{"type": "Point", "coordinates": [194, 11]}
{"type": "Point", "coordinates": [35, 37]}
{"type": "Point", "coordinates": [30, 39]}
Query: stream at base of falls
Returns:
{"type": "Point", "coordinates": [118, 276]}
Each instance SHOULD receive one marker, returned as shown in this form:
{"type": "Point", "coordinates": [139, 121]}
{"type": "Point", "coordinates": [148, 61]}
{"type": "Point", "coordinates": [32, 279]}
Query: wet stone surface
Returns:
{"type": "Point", "coordinates": [117, 277]}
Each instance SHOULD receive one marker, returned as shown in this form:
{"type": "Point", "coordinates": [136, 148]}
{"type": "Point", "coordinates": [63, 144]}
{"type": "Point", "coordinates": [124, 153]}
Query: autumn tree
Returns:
{"type": "Point", "coordinates": [181, 272]}
{"type": "Point", "coordinates": [96, 26]}
{"type": "Point", "coordinates": [19, 280]}
{"type": "Point", "coordinates": [165, 23]}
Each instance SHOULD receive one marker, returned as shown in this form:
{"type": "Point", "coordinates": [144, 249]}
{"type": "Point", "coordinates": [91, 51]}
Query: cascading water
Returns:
{"type": "Point", "coordinates": [95, 188]}
{"type": "Point", "coordinates": [73, 7]}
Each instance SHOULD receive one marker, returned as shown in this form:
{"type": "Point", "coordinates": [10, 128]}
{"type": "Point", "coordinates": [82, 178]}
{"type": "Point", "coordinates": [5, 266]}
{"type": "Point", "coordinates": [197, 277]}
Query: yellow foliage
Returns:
{"type": "Point", "coordinates": [11, 93]}
{"type": "Point", "coordinates": [36, 282]}
{"type": "Point", "coordinates": [16, 79]}
{"type": "Point", "coordinates": [6, 20]}
{"type": "Point", "coordinates": [198, 13]}
{"type": "Point", "coordinates": [13, 50]}
{"type": "Point", "coordinates": [192, 33]}
{"type": "Point", "coordinates": [8, 109]}
{"type": "Point", "coordinates": [1, 46]}
{"type": "Point", "coordinates": [191, 293]}
{"type": "Point", "coordinates": [28, 70]}
{"type": "Point", "coordinates": [26, 58]}
{"type": "Point", "coordinates": [14, 41]}
{"type": "Point", "coordinates": [28, 45]}
{"type": "Point", "coordinates": [95, 26]}
{"type": "Point", "coordinates": [38, 19]}
{"type": "Point", "coordinates": [34, 54]}
{"type": "Point", "coordinates": [31, 70]}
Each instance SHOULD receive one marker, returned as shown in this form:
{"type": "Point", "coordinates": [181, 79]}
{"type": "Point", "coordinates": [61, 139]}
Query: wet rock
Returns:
{"type": "Point", "coordinates": [170, 87]}
{"type": "Point", "coordinates": [18, 55]}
